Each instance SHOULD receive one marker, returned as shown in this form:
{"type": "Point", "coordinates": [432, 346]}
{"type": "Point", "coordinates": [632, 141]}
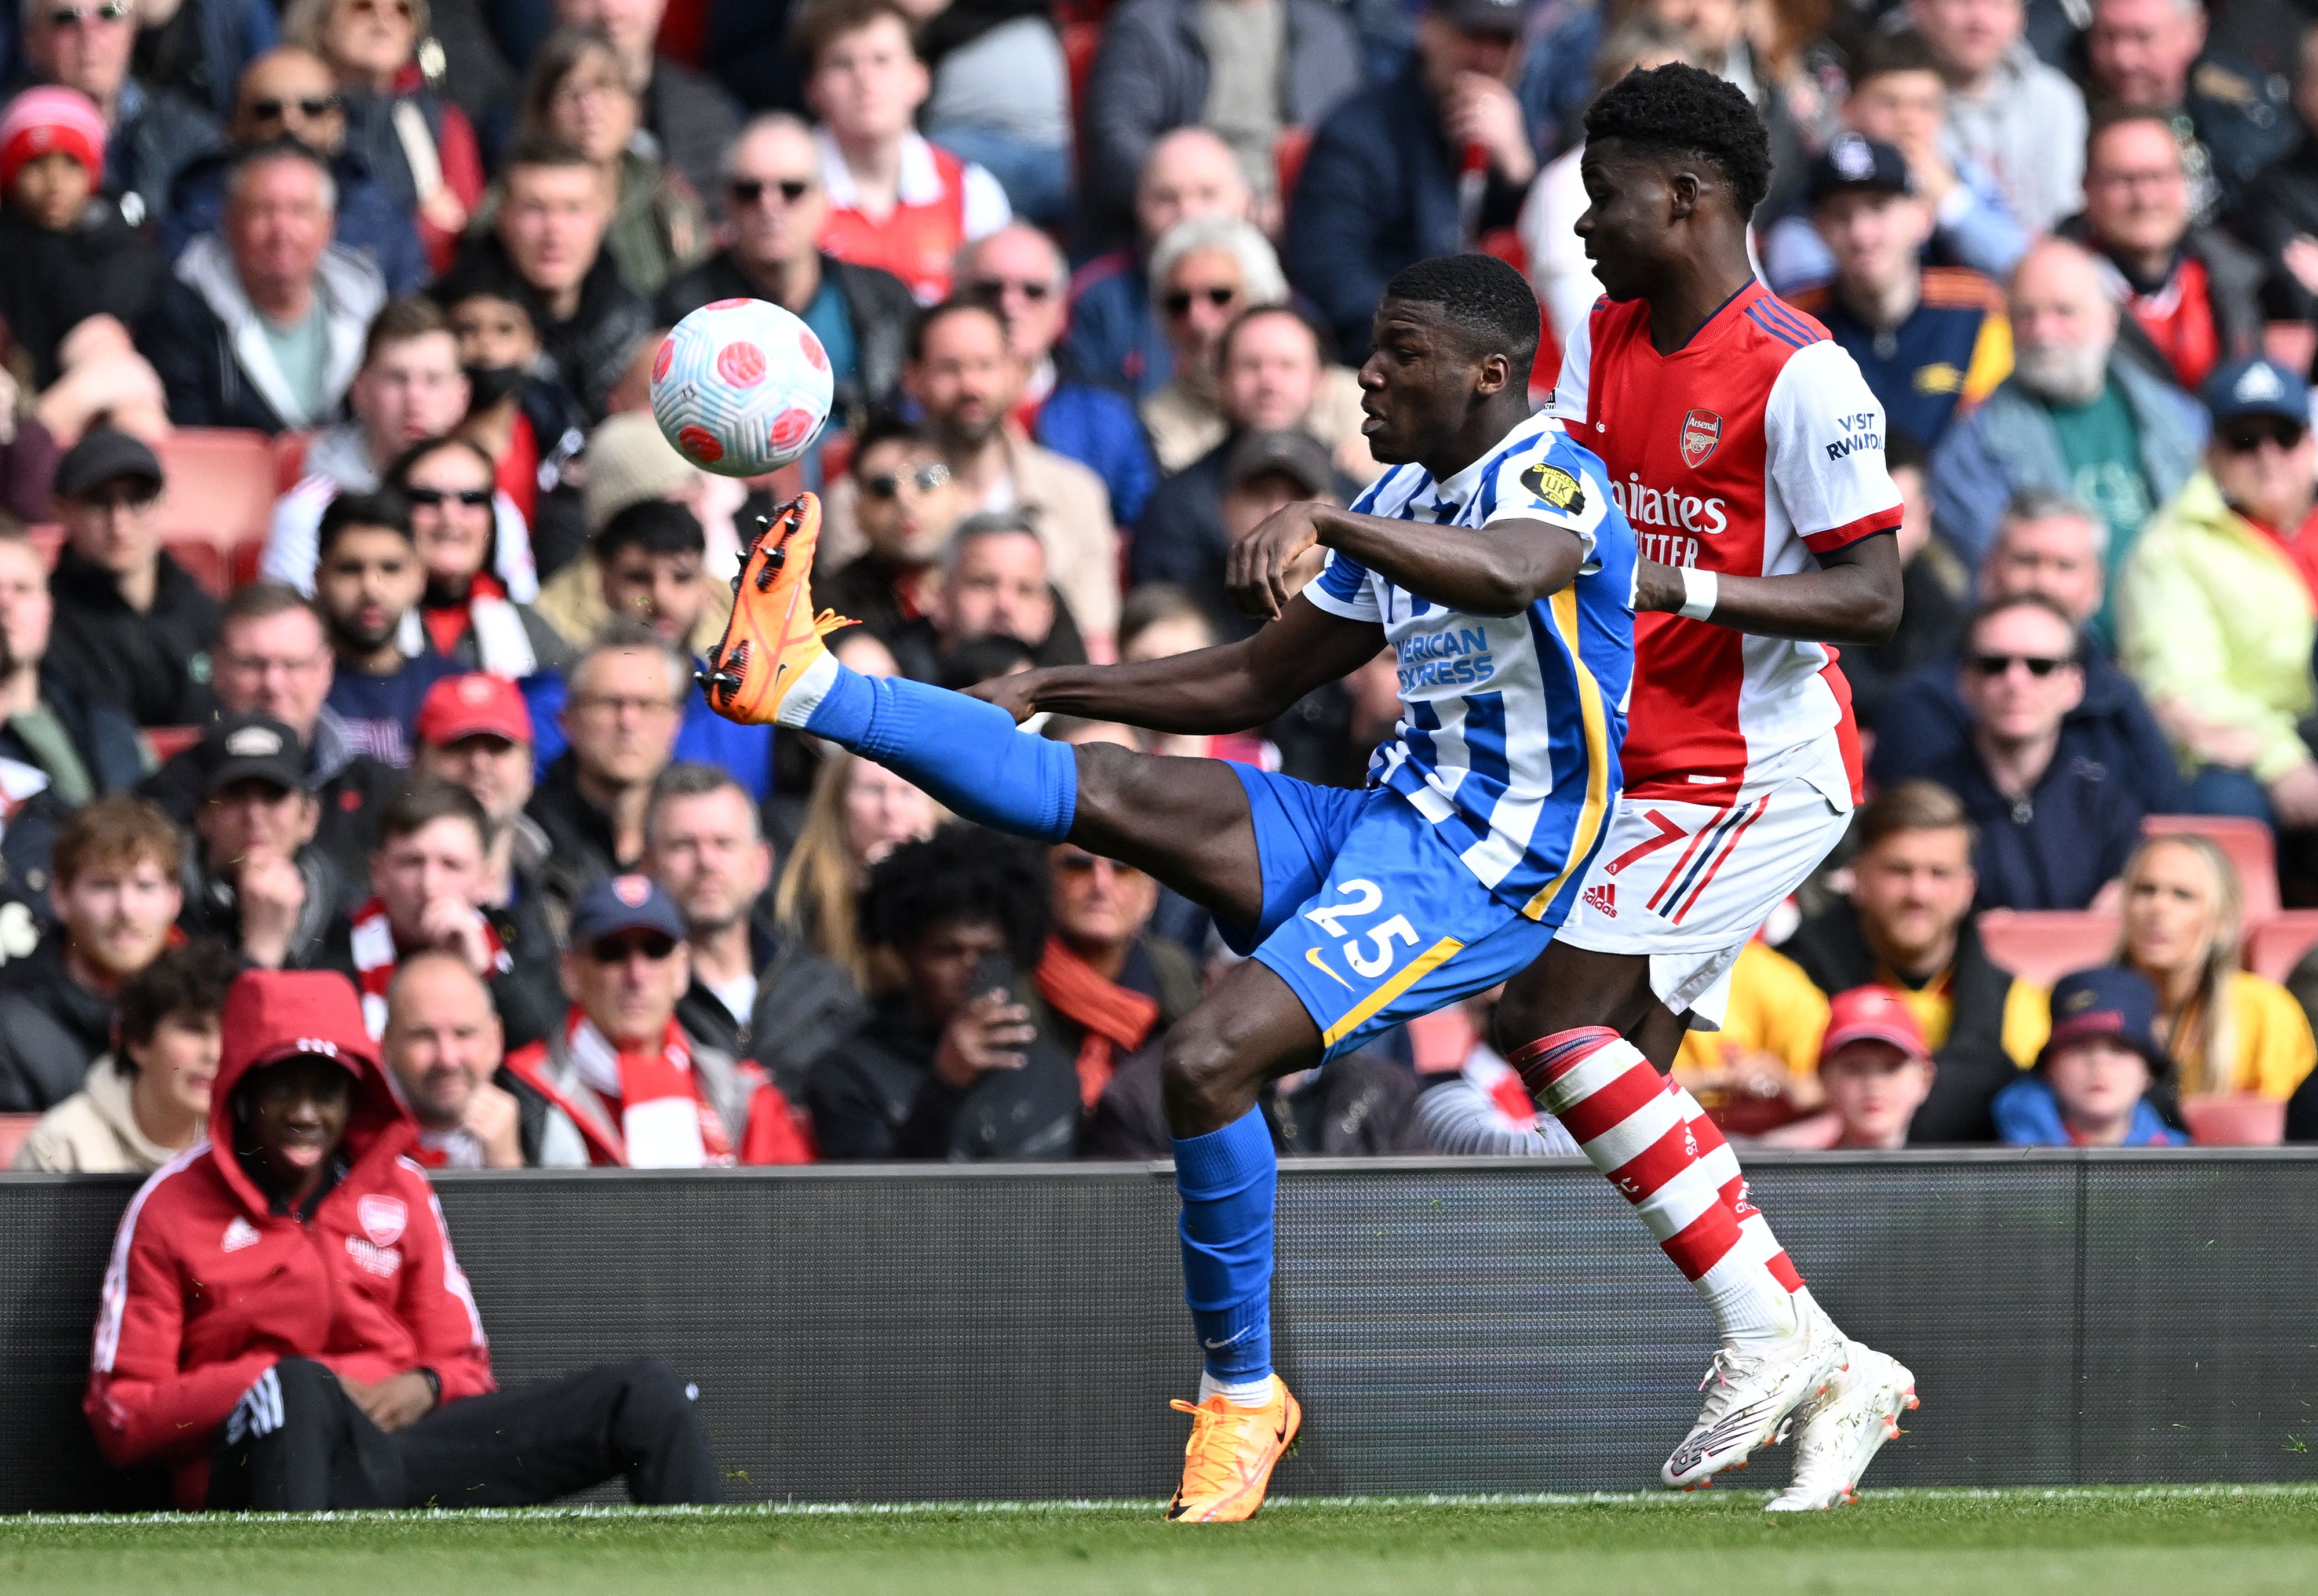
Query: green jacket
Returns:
{"type": "Point", "coordinates": [2215, 617]}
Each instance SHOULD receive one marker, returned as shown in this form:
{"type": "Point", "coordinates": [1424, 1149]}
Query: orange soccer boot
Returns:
{"type": "Point", "coordinates": [1230, 1458]}
{"type": "Point", "coordinates": [772, 644]}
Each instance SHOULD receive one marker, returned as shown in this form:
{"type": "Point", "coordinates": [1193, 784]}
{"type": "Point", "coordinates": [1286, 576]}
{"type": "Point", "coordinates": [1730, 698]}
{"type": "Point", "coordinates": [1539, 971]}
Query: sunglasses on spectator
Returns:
{"type": "Point", "coordinates": [619, 950]}
{"type": "Point", "coordinates": [995, 288]}
{"type": "Point", "coordinates": [313, 109]}
{"type": "Point", "coordinates": [2040, 666]}
{"type": "Point", "coordinates": [748, 190]}
{"type": "Point", "coordinates": [111, 10]}
{"type": "Point", "coordinates": [1083, 864]}
{"type": "Point", "coordinates": [1179, 303]}
{"type": "Point", "coordinates": [2242, 439]}
{"type": "Point", "coordinates": [888, 484]}
{"type": "Point", "coordinates": [474, 499]}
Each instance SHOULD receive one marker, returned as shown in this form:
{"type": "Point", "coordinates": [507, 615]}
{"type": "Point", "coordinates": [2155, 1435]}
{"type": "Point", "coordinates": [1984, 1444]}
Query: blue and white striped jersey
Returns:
{"type": "Point", "coordinates": [1510, 725]}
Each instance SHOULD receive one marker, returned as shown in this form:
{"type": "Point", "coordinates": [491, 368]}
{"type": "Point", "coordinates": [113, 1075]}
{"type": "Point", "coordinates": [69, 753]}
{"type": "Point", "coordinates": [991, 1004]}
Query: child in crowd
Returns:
{"type": "Point", "coordinates": [2091, 1085]}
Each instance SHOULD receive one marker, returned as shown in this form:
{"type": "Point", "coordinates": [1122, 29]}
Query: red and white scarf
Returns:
{"type": "Point", "coordinates": [665, 1120]}
{"type": "Point", "coordinates": [375, 957]}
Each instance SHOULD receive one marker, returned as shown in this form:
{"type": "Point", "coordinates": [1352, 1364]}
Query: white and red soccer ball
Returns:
{"type": "Point", "coordinates": [740, 387]}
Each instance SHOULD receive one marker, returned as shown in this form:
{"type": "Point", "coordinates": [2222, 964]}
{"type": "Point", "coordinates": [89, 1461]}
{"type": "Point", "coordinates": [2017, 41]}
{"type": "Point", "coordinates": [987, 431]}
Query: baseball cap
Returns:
{"type": "Point", "coordinates": [105, 455]}
{"type": "Point", "coordinates": [2255, 387]}
{"type": "Point", "coordinates": [1482, 16]}
{"type": "Point", "coordinates": [473, 705]}
{"type": "Point", "coordinates": [1872, 1014]}
{"type": "Point", "coordinates": [1853, 164]}
{"type": "Point", "coordinates": [272, 1015]}
{"type": "Point", "coordinates": [252, 747]}
{"type": "Point", "coordinates": [624, 903]}
{"type": "Point", "coordinates": [1297, 456]}
{"type": "Point", "coordinates": [2111, 1001]}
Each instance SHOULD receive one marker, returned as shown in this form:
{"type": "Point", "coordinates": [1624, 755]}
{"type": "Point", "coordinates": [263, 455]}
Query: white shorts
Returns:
{"type": "Point", "coordinates": [1686, 884]}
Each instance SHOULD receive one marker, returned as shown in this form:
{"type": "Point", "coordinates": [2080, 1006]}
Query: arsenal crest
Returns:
{"type": "Point", "coordinates": [1700, 431]}
{"type": "Point", "coordinates": [383, 1218]}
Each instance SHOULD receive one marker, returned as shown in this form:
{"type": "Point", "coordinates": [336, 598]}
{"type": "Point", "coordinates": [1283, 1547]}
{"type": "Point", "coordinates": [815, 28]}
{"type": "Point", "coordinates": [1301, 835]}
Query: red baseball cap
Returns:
{"type": "Point", "coordinates": [1872, 1014]}
{"type": "Point", "coordinates": [476, 705]}
{"type": "Point", "coordinates": [272, 1015]}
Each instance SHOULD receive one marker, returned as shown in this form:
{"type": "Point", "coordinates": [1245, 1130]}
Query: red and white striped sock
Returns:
{"type": "Point", "coordinates": [1638, 1128]}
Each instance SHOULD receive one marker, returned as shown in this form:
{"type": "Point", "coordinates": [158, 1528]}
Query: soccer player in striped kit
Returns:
{"type": "Point", "coordinates": [1748, 453]}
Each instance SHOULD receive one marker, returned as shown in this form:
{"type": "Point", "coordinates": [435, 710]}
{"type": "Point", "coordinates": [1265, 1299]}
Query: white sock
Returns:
{"type": "Point", "coordinates": [805, 693]}
{"type": "Point", "coordinates": [1752, 1312]}
{"type": "Point", "coordinates": [1240, 1393]}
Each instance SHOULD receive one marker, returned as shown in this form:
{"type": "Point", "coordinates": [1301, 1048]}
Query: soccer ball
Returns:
{"type": "Point", "coordinates": [740, 387]}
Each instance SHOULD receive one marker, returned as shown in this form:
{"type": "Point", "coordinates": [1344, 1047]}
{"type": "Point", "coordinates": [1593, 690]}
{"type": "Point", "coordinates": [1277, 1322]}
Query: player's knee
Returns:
{"type": "Point", "coordinates": [1200, 1070]}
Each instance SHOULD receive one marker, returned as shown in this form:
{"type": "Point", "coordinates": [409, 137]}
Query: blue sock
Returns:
{"type": "Point", "coordinates": [967, 754]}
{"type": "Point", "coordinates": [1227, 1178]}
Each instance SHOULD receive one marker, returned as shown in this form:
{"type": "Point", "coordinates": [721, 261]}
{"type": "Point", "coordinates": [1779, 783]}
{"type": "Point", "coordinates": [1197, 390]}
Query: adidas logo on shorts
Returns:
{"type": "Point", "coordinates": [1602, 898]}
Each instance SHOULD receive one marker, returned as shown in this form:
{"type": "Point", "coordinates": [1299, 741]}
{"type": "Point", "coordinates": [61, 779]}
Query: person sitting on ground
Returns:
{"type": "Point", "coordinates": [628, 693]}
{"type": "Point", "coordinates": [257, 882]}
{"type": "Point", "coordinates": [1908, 925]}
{"type": "Point", "coordinates": [2218, 605]}
{"type": "Point", "coordinates": [263, 323]}
{"type": "Point", "coordinates": [444, 1046]}
{"type": "Point", "coordinates": [147, 1099]}
{"type": "Point", "coordinates": [116, 865]}
{"type": "Point", "coordinates": [2095, 1074]}
{"type": "Point", "coordinates": [466, 613]}
{"type": "Point", "coordinates": [367, 585]}
{"type": "Point", "coordinates": [950, 1065]}
{"type": "Point", "coordinates": [2055, 829]}
{"type": "Point", "coordinates": [754, 993]}
{"type": "Point", "coordinates": [288, 92]}
{"type": "Point", "coordinates": [132, 628]}
{"type": "Point", "coordinates": [80, 749]}
{"type": "Point", "coordinates": [519, 413]}
{"type": "Point", "coordinates": [273, 658]}
{"type": "Point", "coordinates": [859, 813]}
{"type": "Point", "coordinates": [894, 201]}
{"type": "Point", "coordinates": [299, 1270]}
{"type": "Point", "coordinates": [1877, 1070]}
{"type": "Point", "coordinates": [2225, 1029]}
{"type": "Point", "coordinates": [618, 1084]}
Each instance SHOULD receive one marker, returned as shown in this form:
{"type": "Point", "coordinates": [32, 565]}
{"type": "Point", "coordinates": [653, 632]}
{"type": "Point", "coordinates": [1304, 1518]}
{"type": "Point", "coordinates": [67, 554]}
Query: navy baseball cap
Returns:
{"type": "Point", "coordinates": [2255, 387]}
{"type": "Point", "coordinates": [624, 903]}
{"type": "Point", "coordinates": [2111, 1001]}
{"type": "Point", "coordinates": [1482, 16]}
{"type": "Point", "coordinates": [1855, 163]}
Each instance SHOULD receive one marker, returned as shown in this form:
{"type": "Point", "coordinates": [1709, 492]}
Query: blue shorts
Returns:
{"type": "Point", "coordinates": [1368, 916]}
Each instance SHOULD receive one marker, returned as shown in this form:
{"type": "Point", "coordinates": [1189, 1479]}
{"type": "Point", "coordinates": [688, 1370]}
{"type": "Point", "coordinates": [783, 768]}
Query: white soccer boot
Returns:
{"type": "Point", "coordinates": [1838, 1433]}
{"type": "Point", "coordinates": [1750, 1394]}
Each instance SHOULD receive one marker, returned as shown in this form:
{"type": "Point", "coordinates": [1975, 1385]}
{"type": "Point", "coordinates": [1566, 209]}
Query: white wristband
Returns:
{"type": "Point", "coordinates": [1698, 594]}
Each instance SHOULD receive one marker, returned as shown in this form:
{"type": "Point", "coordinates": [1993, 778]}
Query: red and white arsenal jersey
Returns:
{"type": "Point", "coordinates": [1753, 447]}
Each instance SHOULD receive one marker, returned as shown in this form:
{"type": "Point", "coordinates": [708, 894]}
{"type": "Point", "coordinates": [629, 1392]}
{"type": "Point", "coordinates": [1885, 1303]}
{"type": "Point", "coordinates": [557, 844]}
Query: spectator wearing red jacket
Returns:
{"type": "Point", "coordinates": [285, 1326]}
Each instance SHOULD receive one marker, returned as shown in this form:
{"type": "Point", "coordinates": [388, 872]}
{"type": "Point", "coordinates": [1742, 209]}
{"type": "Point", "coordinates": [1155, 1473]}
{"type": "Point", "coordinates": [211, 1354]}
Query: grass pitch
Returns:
{"type": "Point", "coordinates": [2169, 1541]}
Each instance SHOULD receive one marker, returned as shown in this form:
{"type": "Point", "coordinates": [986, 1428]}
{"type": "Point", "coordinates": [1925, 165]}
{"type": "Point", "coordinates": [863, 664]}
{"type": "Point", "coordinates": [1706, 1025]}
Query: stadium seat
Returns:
{"type": "Point", "coordinates": [2233, 1119]}
{"type": "Point", "coordinates": [13, 1129]}
{"type": "Point", "coordinates": [2275, 945]}
{"type": "Point", "coordinates": [168, 741]}
{"type": "Point", "coordinates": [208, 563]}
{"type": "Point", "coordinates": [1441, 1040]}
{"type": "Point", "coordinates": [2249, 845]}
{"type": "Point", "coordinates": [1287, 153]}
{"type": "Point", "coordinates": [221, 483]}
{"type": "Point", "coordinates": [290, 459]}
{"type": "Point", "coordinates": [2043, 946]}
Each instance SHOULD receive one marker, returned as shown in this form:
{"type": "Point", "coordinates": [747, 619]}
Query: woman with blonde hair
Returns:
{"type": "Point", "coordinates": [859, 813]}
{"type": "Point", "coordinates": [2228, 1029]}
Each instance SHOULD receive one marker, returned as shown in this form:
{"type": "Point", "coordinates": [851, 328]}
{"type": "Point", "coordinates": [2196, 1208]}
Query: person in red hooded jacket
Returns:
{"type": "Point", "coordinates": [285, 1326]}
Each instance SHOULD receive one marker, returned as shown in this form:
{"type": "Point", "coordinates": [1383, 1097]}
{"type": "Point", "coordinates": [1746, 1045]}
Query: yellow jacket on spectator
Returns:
{"type": "Point", "coordinates": [2216, 625]}
{"type": "Point", "coordinates": [2266, 1034]}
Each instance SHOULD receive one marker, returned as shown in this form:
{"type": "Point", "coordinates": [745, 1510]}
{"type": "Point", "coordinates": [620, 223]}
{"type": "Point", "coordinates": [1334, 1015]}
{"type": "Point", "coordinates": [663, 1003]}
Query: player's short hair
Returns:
{"type": "Point", "coordinates": [117, 832]}
{"type": "Point", "coordinates": [1916, 805]}
{"type": "Point", "coordinates": [960, 873]}
{"type": "Point", "coordinates": [1880, 55]}
{"type": "Point", "coordinates": [190, 980]}
{"type": "Point", "coordinates": [282, 149]}
{"type": "Point", "coordinates": [1678, 110]}
{"type": "Point", "coordinates": [1482, 298]}
{"type": "Point", "coordinates": [656, 526]}
{"type": "Point", "coordinates": [623, 634]}
{"type": "Point", "coordinates": [820, 23]}
{"type": "Point", "coordinates": [403, 318]}
{"type": "Point", "coordinates": [425, 802]}
{"type": "Point", "coordinates": [386, 509]}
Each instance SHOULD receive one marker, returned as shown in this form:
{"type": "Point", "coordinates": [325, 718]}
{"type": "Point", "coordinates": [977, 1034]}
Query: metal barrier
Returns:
{"type": "Point", "coordinates": [876, 1334]}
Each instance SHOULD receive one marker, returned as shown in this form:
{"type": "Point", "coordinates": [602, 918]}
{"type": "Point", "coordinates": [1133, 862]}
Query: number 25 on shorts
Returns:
{"type": "Point", "coordinates": [1363, 898]}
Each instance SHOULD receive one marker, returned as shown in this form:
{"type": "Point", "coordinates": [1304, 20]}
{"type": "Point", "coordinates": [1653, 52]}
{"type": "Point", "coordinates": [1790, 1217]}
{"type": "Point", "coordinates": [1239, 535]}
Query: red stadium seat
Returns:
{"type": "Point", "coordinates": [2249, 845]}
{"type": "Point", "coordinates": [13, 1129]}
{"type": "Point", "coordinates": [246, 556]}
{"type": "Point", "coordinates": [168, 741]}
{"type": "Point", "coordinates": [208, 563]}
{"type": "Point", "coordinates": [1441, 1040]}
{"type": "Point", "coordinates": [290, 459]}
{"type": "Point", "coordinates": [2275, 945]}
{"type": "Point", "coordinates": [2043, 946]}
{"type": "Point", "coordinates": [221, 484]}
{"type": "Point", "coordinates": [2234, 1119]}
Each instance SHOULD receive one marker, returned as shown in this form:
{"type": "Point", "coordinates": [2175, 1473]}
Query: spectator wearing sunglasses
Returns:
{"type": "Point", "coordinates": [466, 613]}
{"type": "Point", "coordinates": [519, 412]}
{"type": "Point", "coordinates": [1204, 273]}
{"type": "Point", "coordinates": [1106, 988]}
{"type": "Point", "coordinates": [290, 92]}
{"type": "Point", "coordinates": [774, 205]}
{"type": "Point", "coordinates": [2054, 828]}
{"type": "Point", "coordinates": [906, 503]}
{"type": "Point", "coordinates": [2218, 598]}
{"type": "Point", "coordinates": [200, 47]}
{"type": "Point", "coordinates": [152, 133]}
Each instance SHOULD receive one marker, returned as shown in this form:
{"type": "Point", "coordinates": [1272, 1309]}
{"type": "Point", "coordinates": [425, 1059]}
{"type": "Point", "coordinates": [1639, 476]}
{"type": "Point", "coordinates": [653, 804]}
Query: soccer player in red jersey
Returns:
{"type": "Point", "coordinates": [1748, 454]}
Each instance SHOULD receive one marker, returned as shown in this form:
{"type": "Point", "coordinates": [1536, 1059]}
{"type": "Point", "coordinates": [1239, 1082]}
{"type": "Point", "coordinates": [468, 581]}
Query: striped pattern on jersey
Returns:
{"type": "Point", "coordinates": [1510, 727]}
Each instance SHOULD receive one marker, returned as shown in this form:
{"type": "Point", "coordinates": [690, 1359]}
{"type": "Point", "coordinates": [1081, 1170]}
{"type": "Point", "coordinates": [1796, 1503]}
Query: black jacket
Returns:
{"type": "Point", "coordinates": [581, 851]}
{"type": "Point", "coordinates": [155, 664]}
{"type": "Point", "coordinates": [51, 1029]}
{"type": "Point", "coordinates": [1973, 1066]}
{"type": "Point", "coordinates": [805, 1006]}
{"type": "Point", "coordinates": [1932, 610]}
{"type": "Point", "coordinates": [351, 789]}
{"type": "Point", "coordinates": [1361, 1106]}
{"type": "Point", "coordinates": [213, 909]}
{"type": "Point", "coordinates": [2279, 205]}
{"type": "Point", "coordinates": [878, 303]}
{"type": "Point", "coordinates": [591, 351]}
{"type": "Point", "coordinates": [875, 1095]}
{"type": "Point", "coordinates": [862, 590]}
{"type": "Point", "coordinates": [105, 737]}
{"type": "Point", "coordinates": [50, 283]}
